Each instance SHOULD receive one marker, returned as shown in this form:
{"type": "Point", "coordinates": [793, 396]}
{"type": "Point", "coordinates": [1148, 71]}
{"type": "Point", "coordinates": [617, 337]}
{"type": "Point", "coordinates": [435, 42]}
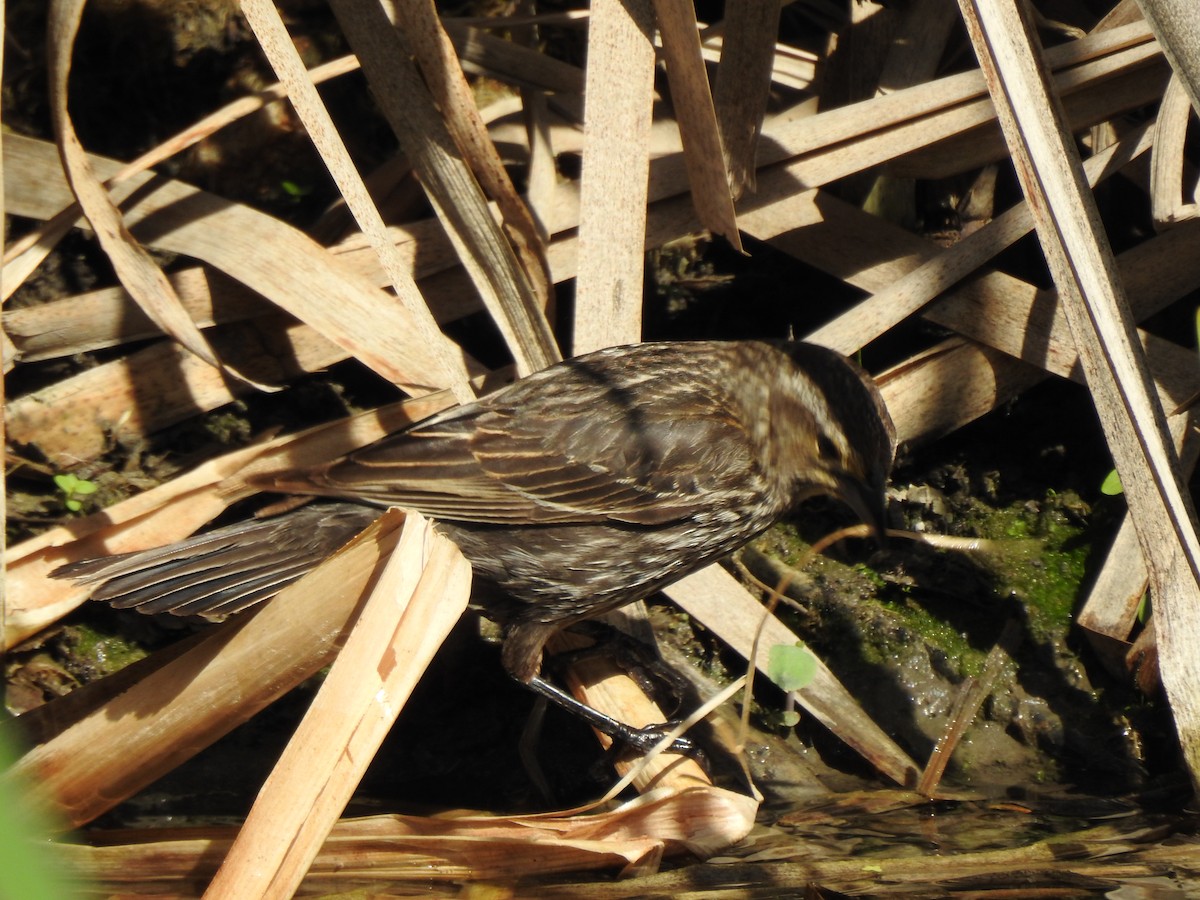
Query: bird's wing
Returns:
{"type": "Point", "coordinates": [613, 441]}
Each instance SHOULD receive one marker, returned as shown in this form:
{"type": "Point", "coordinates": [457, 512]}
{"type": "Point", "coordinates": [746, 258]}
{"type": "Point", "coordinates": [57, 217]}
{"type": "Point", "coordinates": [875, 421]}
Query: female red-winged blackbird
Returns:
{"type": "Point", "coordinates": [578, 489]}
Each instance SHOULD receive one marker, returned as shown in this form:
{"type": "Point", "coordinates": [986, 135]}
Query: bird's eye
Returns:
{"type": "Point", "coordinates": [826, 448]}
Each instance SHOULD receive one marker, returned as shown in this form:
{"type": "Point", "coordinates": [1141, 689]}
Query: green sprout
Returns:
{"type": "Point", "coordinates": [72, 488]}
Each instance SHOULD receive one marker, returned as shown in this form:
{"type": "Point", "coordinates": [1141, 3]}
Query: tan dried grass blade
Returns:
{"type": "Point", "coordinates": [196, 698]}
{"type": "Point", "coordinates": [77, 419]}
{"type": "Point", "coordinates": [606, 687]}
{"type": "Point", "coordinates": [1176, 25]}
{"type": "Point", "coordinates": [422, 591]}
{"type": "Point", "coordinates": [1109, 614]}
{"type": "Point", "coordinates": [633, 838]}
{"type": "Point", "coordinates": [1167, 202]}
{"type": "Point", "coordinates": [439, 63]}
{"type": "Point", "coordinates": [997, 309]}
{"type": "Point", "coordinates": [107, 318]}
{"type": "Point", "coordinates": [868, 320]}
{"type": "Point", "coordinates": [1089, 287]}
{"type": "Point", "coordinates": [703, 153]}
{"type": "Point", "coordinates": [613, 184]}
{"type": "Point", "coordinates": [23, 256]}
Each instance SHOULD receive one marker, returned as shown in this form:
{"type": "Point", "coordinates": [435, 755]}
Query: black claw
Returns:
{"type": "Point", "coordinates": [641, 740]}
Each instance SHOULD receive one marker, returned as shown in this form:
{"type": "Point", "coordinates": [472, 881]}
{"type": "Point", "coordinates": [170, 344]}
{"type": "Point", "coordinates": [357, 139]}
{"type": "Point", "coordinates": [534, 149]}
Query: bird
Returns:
{"type": "Point", "coordinates": [572, 491]}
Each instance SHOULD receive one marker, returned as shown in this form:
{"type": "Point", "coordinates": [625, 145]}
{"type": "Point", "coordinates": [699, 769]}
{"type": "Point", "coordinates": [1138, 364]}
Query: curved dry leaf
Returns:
{"type": "Point", "coordinates": [134, 266]}
{"type": "Point", "coordinates": [1167, 165]}
{"type": "Point", "coordinates": [287, 267]}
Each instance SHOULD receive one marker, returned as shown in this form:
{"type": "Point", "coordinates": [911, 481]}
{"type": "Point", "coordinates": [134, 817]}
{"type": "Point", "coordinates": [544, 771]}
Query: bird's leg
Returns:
{"type": "Point", "coordinates": [640, 739]}
{"type": "Point", "coordinates": [522, 653]}
{"type": "Point", "coordinates": [639, 660]}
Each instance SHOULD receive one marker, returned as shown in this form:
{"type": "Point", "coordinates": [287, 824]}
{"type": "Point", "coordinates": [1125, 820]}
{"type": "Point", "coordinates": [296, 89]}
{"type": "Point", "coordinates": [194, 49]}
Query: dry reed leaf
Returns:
{"type": "Point", "coordinates": [951, 113]}
{"type": "Point", "coordinates": [78, 418]}
{"type": "Point", "coordinates": [510, 62]}
{"type": "Point", "coordinates": [868, 320]}
{"type": "Point", "coordinates": [203, 694]}
{"type": "Point", "coordinates": [1104, 99]}
{"type": "Point", "coordinates": [718, 600]}
{"type": "Point", "coordinates": [277, 44]}
{"type": "Point", "coordinates": [853, 55]}
{"type": "Point", "coordinates": [691, 98]}
{"type": "Point", "coordinates": [952, 386]}
{"type": "Point", "coordinates": [406, 103]}
{"type": "Point", "coordinates": [1085, 273]}
{"type": "Point", "coordinates": [613, 184]}
{"type": "Point", "coordinates": [924, 114]}
{"type": "Point", "coordinates": [421, 593]}
{"type": "Point", "coordinates": [1176, 25]}
{"type": "Point", "coordinates": [998, 309]}
{"type": "Point", "coordinates": [748, 57]}
{"type": "Point", "coordinates": [133, 265]}
{"type": "Point", "coordinates": [107, 317]}
{"type": "Point", "coordinates": [791, 67]}
{"type": "Point", "coordinates": [1109, 612]}
{"type": "Point", "coordinates": [174, 510]}
{"type": "Point", "coordinates": [1167, 202]}
{"type": "Point", "coordinates": [24, 255]}
{"type": "Point", "coordinates": [949, 386]}
{"type": "Point", "coordinates": [605, 686]}
{"type": "Point", "coordinates": [541, 188]}
{"type": "Point", "coordinates": [633, 837]}
{"type": "Point", "coordinates": [436, 56]}
{"type": "Point", "coordinates": [1110, 609]}
{"type": "Point", "coordinates": [297, 274]}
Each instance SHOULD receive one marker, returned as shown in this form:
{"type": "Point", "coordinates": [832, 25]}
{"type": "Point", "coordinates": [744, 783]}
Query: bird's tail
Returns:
{"type": "Point", "coordinates": [224, 571]}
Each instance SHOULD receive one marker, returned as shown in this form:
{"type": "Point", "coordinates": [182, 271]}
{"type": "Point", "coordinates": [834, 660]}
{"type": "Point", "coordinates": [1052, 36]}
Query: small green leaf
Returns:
{"type": "Point", "coordinates": [1112, 485]}
{"type": "Point", "coordinates": [73, 487]}
{"type": "Point", "coordinates": [791, 666]}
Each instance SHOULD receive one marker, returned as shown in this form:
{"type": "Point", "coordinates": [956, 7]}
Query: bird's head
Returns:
{"type": "Point", "coordinates": [831, 432]}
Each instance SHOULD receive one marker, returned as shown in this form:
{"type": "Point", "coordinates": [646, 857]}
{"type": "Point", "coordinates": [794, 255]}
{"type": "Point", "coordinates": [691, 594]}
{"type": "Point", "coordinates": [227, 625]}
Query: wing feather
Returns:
{"type": "Point", "coordinates": [592, 450]}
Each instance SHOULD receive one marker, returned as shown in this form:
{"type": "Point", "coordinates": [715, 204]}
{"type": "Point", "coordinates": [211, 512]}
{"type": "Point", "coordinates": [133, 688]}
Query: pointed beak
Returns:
{"type": "Point", "coordinates": [869, 501]}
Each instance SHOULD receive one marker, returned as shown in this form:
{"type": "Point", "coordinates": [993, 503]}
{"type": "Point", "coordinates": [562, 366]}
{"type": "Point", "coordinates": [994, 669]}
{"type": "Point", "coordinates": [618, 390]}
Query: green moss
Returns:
{"type": "Point", "coordinates": [935, 632]}
{"type": "Point", "coordinates": [93, 652]}
{"type": "Point", "coordinates": [1039, 554]}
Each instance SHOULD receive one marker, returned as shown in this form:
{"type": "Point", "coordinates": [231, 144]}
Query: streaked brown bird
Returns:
{"type": "Point", "coordinates": [578, 489]}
